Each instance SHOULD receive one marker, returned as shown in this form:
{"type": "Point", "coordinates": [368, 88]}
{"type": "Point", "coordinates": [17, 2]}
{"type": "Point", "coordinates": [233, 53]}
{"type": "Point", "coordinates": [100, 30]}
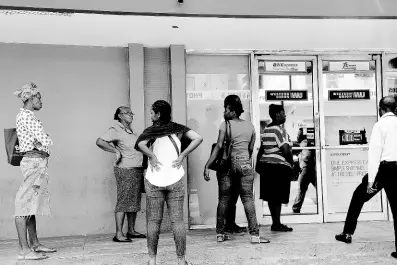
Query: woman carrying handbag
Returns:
{"type": "Point", "coordinates": [237, 179]}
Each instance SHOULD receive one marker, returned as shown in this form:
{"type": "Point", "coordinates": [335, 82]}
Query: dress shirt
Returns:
{"type": "Point", "coordinates": [31, 133]}
{"type": "Point", "coordinates": [383, 143]}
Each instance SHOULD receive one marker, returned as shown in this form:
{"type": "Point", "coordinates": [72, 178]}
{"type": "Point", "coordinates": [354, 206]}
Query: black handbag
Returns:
{"type": "Point", "coordinates": [258, 166]}
{"type": "Point", "coordinates": [223, 161]}
{"type": "Point", "coordinates": [11, 140]}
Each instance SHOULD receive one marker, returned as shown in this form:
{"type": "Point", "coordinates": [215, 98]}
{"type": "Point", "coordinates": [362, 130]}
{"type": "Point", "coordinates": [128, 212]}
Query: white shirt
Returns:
{"type": "Point", "coordinates": [383, 144]}
{"type": "Point", "coordinates": [166, 154]}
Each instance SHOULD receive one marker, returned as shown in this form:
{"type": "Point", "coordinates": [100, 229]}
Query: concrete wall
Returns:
{"type": "Point", "coordinates": [81, 88]}
{"type": "Point", "coordinates": [315, 8]}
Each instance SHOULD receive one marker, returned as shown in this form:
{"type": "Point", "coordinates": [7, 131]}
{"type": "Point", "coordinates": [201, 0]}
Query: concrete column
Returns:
{"type": "Point", "coordinates": [137, 102]}
{"type": "Point", "coordinates": [178, 102]}
{"type": "Point", "coordinates": [178, 83]}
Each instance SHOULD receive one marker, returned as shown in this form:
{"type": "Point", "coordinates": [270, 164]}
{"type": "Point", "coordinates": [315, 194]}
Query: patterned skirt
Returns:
{"type": "Point", "coordinates": [33, 198]}
{"type": "Point", "coordinates": [129, 188]}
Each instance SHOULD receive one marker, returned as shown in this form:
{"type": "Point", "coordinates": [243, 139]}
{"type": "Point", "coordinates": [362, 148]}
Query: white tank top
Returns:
{"type": "Point", "coordinates": [166, 153]}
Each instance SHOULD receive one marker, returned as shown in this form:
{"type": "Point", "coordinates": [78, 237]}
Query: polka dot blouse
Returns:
{"type": "Point", "coordinates": [31, 133]}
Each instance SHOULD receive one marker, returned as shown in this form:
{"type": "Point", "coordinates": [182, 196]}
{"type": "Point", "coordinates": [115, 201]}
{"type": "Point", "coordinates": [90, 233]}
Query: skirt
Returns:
{"type": "Point", "coordinates": [32, 197]}
{"type": "Point", "coordinates": [129, 188]}
{"type": "Point", "coordinates": [275, 183]}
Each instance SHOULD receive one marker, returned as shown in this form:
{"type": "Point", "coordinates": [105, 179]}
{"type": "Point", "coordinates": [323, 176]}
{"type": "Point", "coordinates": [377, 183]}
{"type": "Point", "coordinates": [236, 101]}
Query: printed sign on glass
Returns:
{"type": "Point", "coordinates": [349, 94]}
{"type": "Point", "coordinates": [349, 66]}
{"type": "Point", "coordinates": [277, 95]}
{"type": "Point", "coordinates": [217, 94]}
{"type": "Point", "coordinates": [285, 66]}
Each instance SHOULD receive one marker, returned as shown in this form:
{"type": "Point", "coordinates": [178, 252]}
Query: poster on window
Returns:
{"type": "Point", "coordinates": [345, 170]}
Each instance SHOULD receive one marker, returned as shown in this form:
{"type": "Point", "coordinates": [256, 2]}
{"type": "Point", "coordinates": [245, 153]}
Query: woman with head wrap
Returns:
{"type": "Point", "coordinates": [32, 197]}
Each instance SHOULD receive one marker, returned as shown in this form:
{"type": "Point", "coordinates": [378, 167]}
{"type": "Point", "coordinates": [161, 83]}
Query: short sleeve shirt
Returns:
{"type": "Point", "coordinates": [272, 139]}
{"type": "Point", "coordinates": [124, 140]}
{"type": "Point", "coordinates": [241, 134]}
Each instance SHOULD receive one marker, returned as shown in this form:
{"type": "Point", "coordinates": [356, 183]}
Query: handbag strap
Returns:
{"type": "Point", "coordinates": [228, 134]}
{"type": "Point", "coordinates": [173, 142]}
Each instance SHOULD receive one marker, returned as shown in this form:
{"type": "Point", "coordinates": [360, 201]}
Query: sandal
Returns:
{"type": "Point", "coordinates": [32, 255]}
{"type": "Point", "coordinates": [135, 235]}
{"type": "Point", "coordinates": [259, 240]}
{"type": "Point", "coordinates": [41, 248]}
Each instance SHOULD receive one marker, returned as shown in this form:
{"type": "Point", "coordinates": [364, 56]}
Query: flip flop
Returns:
{"type": "Point", "coordinates": [41, 248]}
{"type": "Point", "coordinates": [31, 256]}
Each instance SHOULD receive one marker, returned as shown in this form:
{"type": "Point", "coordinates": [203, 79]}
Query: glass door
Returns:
{"type": "Point", "coordinates": [291, 81]}
{"type": "Point", "coordinates": [349, 94]}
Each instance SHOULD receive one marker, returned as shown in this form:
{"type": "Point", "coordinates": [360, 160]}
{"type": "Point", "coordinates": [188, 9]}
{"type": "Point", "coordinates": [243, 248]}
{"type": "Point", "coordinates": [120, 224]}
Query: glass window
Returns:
{"type": "Point", "coordinates": [349, 115]}
{"type": "Point", "coordinates": [209, 79]}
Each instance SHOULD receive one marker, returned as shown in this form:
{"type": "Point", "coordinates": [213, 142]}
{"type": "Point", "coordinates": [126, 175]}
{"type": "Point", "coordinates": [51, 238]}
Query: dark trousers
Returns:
{"type": "Point", "coordinates": [360, 196]}
{"type": "Point", "coordinates": [306, 176]}
{"type": "Point", "coordinates": [388, 175]}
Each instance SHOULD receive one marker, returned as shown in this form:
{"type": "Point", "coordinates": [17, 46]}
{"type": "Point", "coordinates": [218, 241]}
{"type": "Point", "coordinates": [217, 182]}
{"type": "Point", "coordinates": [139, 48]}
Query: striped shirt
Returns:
{"type": "Point", "coordinates": [272, 139]}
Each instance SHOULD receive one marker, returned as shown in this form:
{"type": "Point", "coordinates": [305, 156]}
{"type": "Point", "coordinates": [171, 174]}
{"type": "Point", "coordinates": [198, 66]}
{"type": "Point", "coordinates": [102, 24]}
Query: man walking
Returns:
{"type": "Point", "coordinates": [382, 168]}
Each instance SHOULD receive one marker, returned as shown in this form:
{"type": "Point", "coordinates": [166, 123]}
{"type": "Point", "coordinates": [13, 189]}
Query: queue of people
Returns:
{"type": "Point", "coordinates": [153, 162]}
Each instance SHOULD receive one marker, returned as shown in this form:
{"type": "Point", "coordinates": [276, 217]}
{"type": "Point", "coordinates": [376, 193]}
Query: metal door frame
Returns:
{"type": "Point", "coordinates": [378, 75]}
{"type": "Point", "coordinates": [292, 218]}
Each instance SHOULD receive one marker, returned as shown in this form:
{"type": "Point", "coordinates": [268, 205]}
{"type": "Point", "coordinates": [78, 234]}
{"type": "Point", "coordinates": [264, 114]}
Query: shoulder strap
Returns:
{"type": "Point", "coordinates": [228, 134]}
{"type": "Point", "coordinates": [173, 142]}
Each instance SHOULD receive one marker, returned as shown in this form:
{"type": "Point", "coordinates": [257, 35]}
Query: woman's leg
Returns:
{"type": "Point", "coordinates": [245, 181]}
{"type": "Point", "coordinates": [275, 211]}
{"type": "Point", "coordinates": [154, 215]}
{"type": "Point", "coordinates": [224, 186]}
{"type": "Point", "coordinates": [131, 218]}
{"type": "Point", "coordinates": [21, 225]}
{"type": "Point", "coordinates": [119, 217]}
{"type": "Point", "coordinates": [175, 198]}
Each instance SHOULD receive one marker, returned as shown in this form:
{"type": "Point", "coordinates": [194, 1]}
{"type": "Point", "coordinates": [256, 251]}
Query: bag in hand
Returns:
{"type": "Point", "coordinates": [223, 161]}
{"type": "Point", "coordinates": [11, 140]}
{"type": "Point", "coordinates": [259, 165]}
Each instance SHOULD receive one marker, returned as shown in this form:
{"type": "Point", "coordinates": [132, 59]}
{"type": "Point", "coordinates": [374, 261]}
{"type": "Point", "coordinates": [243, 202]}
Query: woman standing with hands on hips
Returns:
{"type": "Point", "coordinates": [128, 170]}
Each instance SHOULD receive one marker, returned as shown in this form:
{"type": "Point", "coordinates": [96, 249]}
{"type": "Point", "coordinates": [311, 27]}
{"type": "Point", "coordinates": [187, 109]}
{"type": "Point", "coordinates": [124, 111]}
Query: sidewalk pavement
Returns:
{"type": "Point", "coordinates": [307, 244]}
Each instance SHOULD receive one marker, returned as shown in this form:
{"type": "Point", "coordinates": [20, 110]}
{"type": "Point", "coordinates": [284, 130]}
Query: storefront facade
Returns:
{"type": "Point", "coordinates": [332, 98]}
{"type": "Point", "coordinates": [328, 68]}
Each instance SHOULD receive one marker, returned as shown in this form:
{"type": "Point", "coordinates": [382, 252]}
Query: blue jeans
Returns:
{"type": "Point", "coordinates": [173, 195]}
{"type": "Point", "coordinates": [238, 180]}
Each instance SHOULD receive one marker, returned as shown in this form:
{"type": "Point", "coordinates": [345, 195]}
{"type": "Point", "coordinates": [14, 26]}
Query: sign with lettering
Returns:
{"type": "Point", "coordinates": [217, 94]}
{"type": "Point", "coordinates": [345, 169]}
{"type": "Point", "coordinates": [349, 94]}
{"type": "Point", "coordinates": [309, 132]}
{"type": "Point", "coordinates": [391, 85]}
{"type": "Point", "coordinates": [285, 66]}
{"type": "Point", "coordinates": [348, 66]}
{"type": "Point", "coordinates": [287, 95]}
{"type": "Point", "coordinates": [352, 137]}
